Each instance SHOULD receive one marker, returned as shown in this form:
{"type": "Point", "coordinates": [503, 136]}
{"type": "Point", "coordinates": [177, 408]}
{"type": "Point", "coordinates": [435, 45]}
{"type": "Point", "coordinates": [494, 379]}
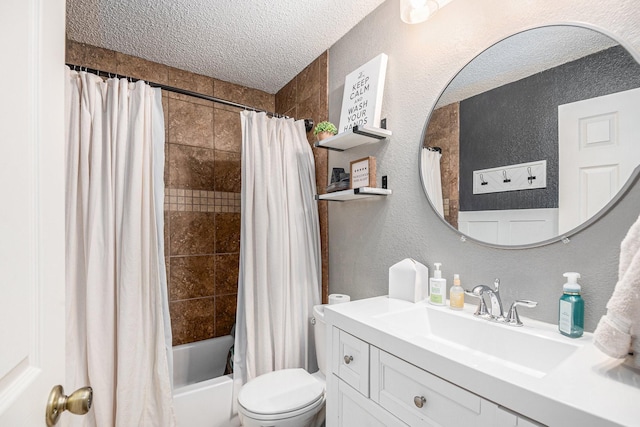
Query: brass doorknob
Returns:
{"type": "Point", "coordinates": [79, 403]}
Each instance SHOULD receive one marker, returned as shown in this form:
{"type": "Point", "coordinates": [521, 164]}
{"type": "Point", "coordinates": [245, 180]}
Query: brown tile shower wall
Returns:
{"type": "Point", "coordinates": [202, 194]}
{"type": "Point", "coordinates": [444, 132]}
{"type": "Point", "coordinates": [306, 96]}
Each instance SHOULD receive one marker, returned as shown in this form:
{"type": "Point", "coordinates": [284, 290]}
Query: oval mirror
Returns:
{"type": "Point", "coordinates": [535, 138]}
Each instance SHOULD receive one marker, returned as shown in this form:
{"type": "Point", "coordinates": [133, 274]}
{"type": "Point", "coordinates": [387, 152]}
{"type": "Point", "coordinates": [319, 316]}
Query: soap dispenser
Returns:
{"type": "Point", "coordinates": [456, 294]}
{"type": "Point", "coordinates": [571, 308]}
{"type": "Point", "coordinates": [437, 286]}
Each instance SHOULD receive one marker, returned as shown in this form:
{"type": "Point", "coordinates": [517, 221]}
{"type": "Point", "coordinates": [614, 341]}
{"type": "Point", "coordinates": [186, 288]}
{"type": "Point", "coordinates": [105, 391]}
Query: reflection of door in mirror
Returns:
{"type": "Point", "coordinates": [482, 121]}
{"type": "Point", "coordinates": [599, 148]}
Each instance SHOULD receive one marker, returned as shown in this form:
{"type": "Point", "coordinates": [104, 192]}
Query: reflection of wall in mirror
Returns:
{"type": "Point", "coordinates": [518, 122]}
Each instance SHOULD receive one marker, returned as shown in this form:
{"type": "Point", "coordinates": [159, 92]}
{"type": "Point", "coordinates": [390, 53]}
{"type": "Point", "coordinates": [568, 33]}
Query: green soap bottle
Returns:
{"type": "Point", "coordinates": [437, 287]}
{"type": "Point", "coordinates": [571, 308]}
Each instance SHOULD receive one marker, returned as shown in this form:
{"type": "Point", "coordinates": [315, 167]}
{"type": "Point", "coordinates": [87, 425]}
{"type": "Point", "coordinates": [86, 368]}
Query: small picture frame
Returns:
{"type": "Point", "coordinates": [363, 173]}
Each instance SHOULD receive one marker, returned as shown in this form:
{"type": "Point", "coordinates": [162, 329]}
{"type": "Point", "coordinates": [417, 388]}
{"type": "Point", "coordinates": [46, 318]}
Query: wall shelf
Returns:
{"type": "Point", "coordinates": [354, 194]}
{"type": "Point", "coordinates": [353, 138]}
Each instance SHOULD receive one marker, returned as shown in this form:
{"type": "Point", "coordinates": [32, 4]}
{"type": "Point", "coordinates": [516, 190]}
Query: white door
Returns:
{"type": "Point", "coordinates": [599, 147]}
{"type": "Point", "coordinates": [32, 330]}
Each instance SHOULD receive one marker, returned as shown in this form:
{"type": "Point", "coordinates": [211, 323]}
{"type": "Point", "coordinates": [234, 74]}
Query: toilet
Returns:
{"type": "Point", "coordinates": [288, 397]}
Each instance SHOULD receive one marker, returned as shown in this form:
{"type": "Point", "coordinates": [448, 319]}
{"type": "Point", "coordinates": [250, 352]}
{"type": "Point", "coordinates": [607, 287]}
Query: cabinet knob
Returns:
{"type": "Point", "coordinates": [419, 401]}
{"type": "Point", "coordinates": [348, 359]}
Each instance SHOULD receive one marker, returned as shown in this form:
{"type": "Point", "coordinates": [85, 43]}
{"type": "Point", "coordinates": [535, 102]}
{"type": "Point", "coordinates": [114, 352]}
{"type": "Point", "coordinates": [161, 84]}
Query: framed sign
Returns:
{"type": "Point", "coordinates": [363, 173]}
{"type": "Point", "coordinates": [362, 97]}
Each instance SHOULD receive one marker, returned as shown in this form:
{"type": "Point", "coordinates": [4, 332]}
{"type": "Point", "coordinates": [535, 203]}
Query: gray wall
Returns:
{"type": "Point", "coordinates": [366, 237]}
{"type": "Point", "coordinates": [518, 123]}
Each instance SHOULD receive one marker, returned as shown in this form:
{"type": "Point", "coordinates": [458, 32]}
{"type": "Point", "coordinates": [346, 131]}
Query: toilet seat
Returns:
{"type": "Point", "coordinates": [281, 394]}
{"type": "Point", "coordinates": [282, 416]}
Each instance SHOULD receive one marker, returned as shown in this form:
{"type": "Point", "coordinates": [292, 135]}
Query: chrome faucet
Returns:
{"type": "Point", "coordinates": [496, 312]}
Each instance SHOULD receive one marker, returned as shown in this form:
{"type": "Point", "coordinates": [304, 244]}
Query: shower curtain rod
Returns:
{"type": "Point", "coordinates": [308, 123]}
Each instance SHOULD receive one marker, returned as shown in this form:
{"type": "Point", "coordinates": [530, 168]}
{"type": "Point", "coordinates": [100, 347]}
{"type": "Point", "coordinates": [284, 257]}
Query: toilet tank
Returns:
{"type": "Point", "coordinates": [319, 331]}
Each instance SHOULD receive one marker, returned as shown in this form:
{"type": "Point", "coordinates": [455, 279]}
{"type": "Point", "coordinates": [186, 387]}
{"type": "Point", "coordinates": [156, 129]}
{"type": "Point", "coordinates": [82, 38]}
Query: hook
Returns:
{"type": "Point", "coordinates": [531, 177]}
{"type": "Point", "coordinates": [482, 181]}
{"type": "Point", "coordinates": [506, 179]}
{"type": "Point", "coordinates": [308, 124]}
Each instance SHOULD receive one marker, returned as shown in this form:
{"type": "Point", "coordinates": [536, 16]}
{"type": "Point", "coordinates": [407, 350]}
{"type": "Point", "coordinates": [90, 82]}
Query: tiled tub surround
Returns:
{"type": "Point", "coordinates": [202, 175]}
{"type": "Point", "coordinates": [444, 132]}
{"type": "Point", "coordinates": [203, 180]}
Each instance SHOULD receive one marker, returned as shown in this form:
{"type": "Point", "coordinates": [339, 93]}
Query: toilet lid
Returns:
{"type": "Point", "coordinates": [281, 391]}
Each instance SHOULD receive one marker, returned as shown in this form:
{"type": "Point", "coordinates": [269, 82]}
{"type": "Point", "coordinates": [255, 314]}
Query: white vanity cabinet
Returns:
{"type": "Point", "coordinates": [395, 363]}
{"type": "Point", "coordinates": [370, 387]}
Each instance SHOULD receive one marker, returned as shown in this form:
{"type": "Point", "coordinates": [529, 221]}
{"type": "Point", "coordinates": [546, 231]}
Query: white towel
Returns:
{"type": "Point", "coordinates": [617, 333]}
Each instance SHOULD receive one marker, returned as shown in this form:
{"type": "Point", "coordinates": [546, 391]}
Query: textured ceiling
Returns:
{"type": "Point", "coordinates": [523, 55]}
{"type": "Point", "coordinates": [256, 43]}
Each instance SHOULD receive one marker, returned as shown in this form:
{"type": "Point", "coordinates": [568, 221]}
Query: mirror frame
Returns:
{"type": "Point", "coordinates": [565, 237]}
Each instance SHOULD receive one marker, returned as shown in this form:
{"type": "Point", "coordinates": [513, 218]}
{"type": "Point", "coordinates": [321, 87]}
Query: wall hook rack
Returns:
{"type": "Point", "coordinates": [522, 176]}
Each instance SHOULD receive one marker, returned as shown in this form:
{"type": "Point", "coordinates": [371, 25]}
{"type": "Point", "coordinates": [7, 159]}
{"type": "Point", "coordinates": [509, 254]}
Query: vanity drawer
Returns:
{"type": "Point", "coordinates": [351, 360]}
{"type": "Point", "coordinates": [419, 398]}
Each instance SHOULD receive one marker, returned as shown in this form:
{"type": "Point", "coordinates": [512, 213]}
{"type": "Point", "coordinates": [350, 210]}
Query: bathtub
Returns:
{"type": "Point", "coordinates": [202, 394]}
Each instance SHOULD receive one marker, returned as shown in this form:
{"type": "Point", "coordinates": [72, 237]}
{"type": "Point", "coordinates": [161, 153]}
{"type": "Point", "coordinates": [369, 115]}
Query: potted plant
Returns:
{"type": "Point", "coordinates": [325, 130]}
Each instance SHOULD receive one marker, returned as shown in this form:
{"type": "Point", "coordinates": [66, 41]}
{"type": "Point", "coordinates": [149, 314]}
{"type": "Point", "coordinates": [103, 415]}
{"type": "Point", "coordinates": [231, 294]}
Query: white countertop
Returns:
{"type": "Point", "coordinates": [586, 389]}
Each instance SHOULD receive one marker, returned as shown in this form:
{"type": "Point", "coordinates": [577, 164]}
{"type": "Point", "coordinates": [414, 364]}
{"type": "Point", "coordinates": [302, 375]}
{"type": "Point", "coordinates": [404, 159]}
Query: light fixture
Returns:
{"type": "Point", "coordinates": [416, 11]}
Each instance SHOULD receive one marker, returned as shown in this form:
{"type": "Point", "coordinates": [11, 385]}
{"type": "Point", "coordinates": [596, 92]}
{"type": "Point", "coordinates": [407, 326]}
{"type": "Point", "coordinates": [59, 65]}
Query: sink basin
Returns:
{"type": "Point", "coordinates": [534, 349]}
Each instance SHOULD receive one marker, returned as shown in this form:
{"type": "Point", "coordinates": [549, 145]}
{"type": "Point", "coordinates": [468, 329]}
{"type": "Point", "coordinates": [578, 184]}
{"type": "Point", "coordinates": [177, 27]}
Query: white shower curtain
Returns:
{"type": "Point", "coordinates": [279, 280]}
{"type": "Point", "coordinates": [430, 169]}
{"type": "Point", "coordinates": [118, 331]}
